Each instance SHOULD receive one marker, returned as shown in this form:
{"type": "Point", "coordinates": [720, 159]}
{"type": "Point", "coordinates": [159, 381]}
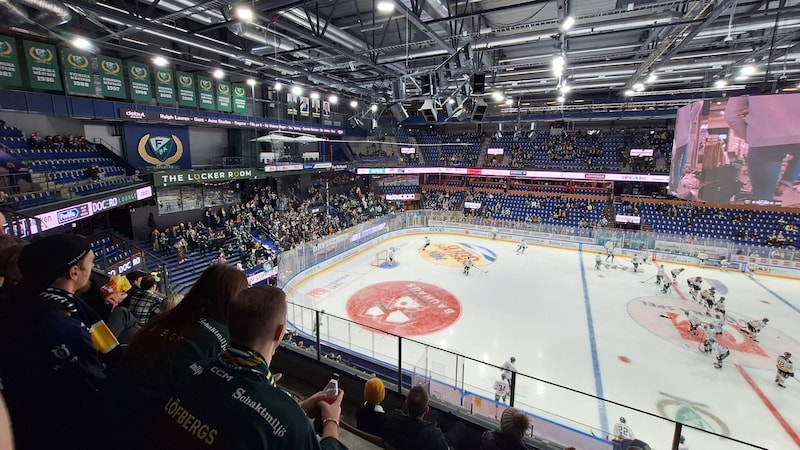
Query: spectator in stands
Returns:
{"type": "Point", "coordinates": [35, 141]}
{"type": "Point", "coordinates": [370, 416]}
{"type": "Point", "coordinates": [171, 301]}
{"type": "Point", "coordinates": [51, 370]}
{"type": "Point", "coordinates": [109, 307]}
{"type": "Point", "coordinates": [513, 426]}
{"type": "Point", "coordinates": [10, 274]}
{"type": "Point", "coordinates": [412, 431]}
{"type": "Point", "coordinates": [241, 407]}
{"type": "Point", "coordinates": [92, 172]}
{"type": "Point", "coordinates": [145, 301]}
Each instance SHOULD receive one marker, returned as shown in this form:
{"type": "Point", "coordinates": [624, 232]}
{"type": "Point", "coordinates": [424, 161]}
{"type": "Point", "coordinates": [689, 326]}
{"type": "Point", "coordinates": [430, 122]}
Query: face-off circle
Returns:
{"type": "Point", "coordinates": [404, 308]}
{"type": "Point", "coordinates": [666, 318]}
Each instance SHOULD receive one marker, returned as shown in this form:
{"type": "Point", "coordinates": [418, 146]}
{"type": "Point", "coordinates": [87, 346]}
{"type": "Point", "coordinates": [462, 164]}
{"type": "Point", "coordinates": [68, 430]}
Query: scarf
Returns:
{"type": "Point", "coordinates": [241, 358]}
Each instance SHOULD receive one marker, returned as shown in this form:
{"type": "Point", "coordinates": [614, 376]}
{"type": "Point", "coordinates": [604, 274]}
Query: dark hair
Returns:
{"type": "Point", "coordinates": [209, 297]}
{"type": "Point", "coordinates": [254, 315]}
{"type": "Point", "coordinates": [417, 401]}
{"type": "Point", "coordinates": [9, 263]}
{"type": "Point", "coordinates": [147, 282]}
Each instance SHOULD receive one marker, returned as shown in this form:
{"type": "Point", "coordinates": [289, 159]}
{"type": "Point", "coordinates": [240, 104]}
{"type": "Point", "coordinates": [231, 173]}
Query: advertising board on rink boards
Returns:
{"type": "Point", "coordinates": [532, 237]}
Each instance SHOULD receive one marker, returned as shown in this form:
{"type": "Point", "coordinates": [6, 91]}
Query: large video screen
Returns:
{"type": "Point", "coordinates": [743, 150]}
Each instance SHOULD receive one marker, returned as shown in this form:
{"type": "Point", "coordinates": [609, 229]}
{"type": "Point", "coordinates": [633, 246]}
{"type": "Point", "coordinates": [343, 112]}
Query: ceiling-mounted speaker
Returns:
{"type": "Point", "coordinates": [478, 83]}
{"type": "Point", "coordinates": [479, 110]}
{"type": "Point", "coordinates": [399, 112]}
{"type": "Point", "coordinates": [428, 110]}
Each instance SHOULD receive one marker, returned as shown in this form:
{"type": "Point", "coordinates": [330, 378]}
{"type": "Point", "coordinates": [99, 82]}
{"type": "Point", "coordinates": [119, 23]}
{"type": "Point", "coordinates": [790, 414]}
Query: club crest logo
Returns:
{"type": "Point", "coordinates": [6, 49]}
{"type": "Point", "coordinates": [205, 85]}
{"type": "Point", "coordinates": [164, 76]}
{"type": "Point", "coordinates": [110, 67]}
{"type": "Point", "coordinates": [186, 81]}
{"type": "Point", "coordinates": [41, 55]}
{"type": "Point", "coordinates": [238, 91]}
{"type": "Point", "coordinates": [139, 72]}
{"type": "Point", "coordinates": [77, 61]}
{"type": "Point", "coordinates": [223, 89]}
{"type": "Point", "coordinates": [160, 150]}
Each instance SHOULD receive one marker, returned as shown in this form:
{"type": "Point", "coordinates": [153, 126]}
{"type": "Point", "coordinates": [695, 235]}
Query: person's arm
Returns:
{"type": "Point", "coordinates": [736, 113]}
{"type": "Point", "coordinates": [331, 414]}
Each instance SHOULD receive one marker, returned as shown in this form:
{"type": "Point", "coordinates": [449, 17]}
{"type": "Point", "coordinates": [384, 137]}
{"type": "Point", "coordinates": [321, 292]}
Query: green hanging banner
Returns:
{"type": "Point", "coordinates": [139, 80]}
{"type": "Point", "coordinates": [187, 95]}
{"type": "Point", "coordinates": [165, 87]}
{"type": "Point", "coordinates": [240, 99]}
{"type": "Point", "coordinates": [9, 63]}
{"type": "Point", "coordinates": [78, 72]}
{"type": "Point", "coordinates": [224, 96]}
{"type": "Point", "coordinates": [112, 82]}
{"type": "Point", "coordinates": [42, 66]}
{"type": "Point", "coordinates": [205, 87]}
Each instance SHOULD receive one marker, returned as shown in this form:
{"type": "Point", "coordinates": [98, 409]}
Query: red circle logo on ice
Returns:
{"type": "Point", "coordinates": [405, 308]}
{"type": "Point", "coordinates": [667, 318]}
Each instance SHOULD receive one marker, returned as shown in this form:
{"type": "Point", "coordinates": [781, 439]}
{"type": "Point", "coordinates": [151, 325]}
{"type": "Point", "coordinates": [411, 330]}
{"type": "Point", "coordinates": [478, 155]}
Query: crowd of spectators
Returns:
{"type": "Point", "coordinates": [58, 142]}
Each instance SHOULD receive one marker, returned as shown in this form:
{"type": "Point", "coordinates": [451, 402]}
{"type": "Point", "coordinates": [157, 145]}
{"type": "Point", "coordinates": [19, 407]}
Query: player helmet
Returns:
{"type": "Point", "coordinates": [765, 320]}
{"type": "Point", "coordinates": [513, 359]}
{"type": "Point", "coordinates": [787, 354]}
{"type": "Point", "coordinates": [721, 299]}
{"type": "Point", "coordinates": [713, 289]}
{"type": "Point", "coordinates": [622, 420]}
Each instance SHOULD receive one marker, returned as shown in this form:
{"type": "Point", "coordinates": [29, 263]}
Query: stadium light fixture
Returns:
{"type": "Point", "coordinates": [278, 86]}
{"type": "Point", "coordinates": [373, 108]}
{"type": "Point", "coordinates": [219, 74]}
{"type": "Point", "coordinates": [251, 82]}
{"type": "Point", "coordinates": [561, 99]}
{"type": "Point", "coordinates": [385, 6]}
{"type": "Point", "coordinates": [353, 104]}
{"type": "Point", "coordinates": [314, 95]}
{"type": "Point", "coordinates": [334, 99]}
{"type": "Point", "coordinates": [569, 21]}
{"type": "Point", "coordinates": [297, 90]}
{"type": "Point", "coordinates": [160, 61]}
{"type": "Point", "coordinates": [81, 43]}
{"type": "Point", "coordinates": [638, 87]}
{"type": "Point", "coordinates": [244, 13]}
{"type": "Point", "coordinates": [629, 93]}
{"type": "Point", "coordinates": [720, 83]}
{"type": "Point", "coordinates": [748, 70]}
{"type": "Point", "coordinates": [651, 78]}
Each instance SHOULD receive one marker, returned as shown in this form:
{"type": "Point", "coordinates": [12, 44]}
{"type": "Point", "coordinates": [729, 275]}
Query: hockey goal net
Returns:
{"type": "Point", "coordinates": [380, 258]}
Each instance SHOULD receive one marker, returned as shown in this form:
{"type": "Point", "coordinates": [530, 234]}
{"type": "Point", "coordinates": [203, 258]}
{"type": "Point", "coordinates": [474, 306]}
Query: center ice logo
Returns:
{"type": "Point", "coordinates": [405, 308]}
{"type": "Point", "coordinates": [454, 254]}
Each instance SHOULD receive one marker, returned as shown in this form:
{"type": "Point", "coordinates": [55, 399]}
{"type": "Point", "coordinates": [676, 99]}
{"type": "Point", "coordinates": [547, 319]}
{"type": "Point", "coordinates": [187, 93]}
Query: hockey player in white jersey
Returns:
{"type": "Point", "coordinates": [390, 256]}
{"type": "Point", "coordinates": [660, 274]}
{"type": "Point", "coordinates": [754, 327]}
{"type": "Point", "coordinates": [717, 324]}
{"type": "Point", "coordinates": [522, 246]}
{"type": "Point", "coordinates": [720, 307]}
{"type": "Point", "coordinates": [785, 369]}
{"type": "Point", "coordinates": [635, 262]}
{"type": "Point", "coordinates": [752, 269]}
{"type": "Point", "coordinates": [720, 352]}
{"type": "Point", "coordinates": [597, 260]}
{"type": "Point", "coordinates": [694, 322]}
{"type": "Point", "coordinates": [507, 368]}
{"type": "Point", "coordinates": [622, 430]}
{"type": "Point", "coordinates": [710, 338]}
{"type": "Point", "coordinates": [723, 264]}
{"type": "Point", "coordinates": [427, 243]}
{"type": "Point", "coordinates": [701, 258]}
{"type": "Point", "coordinates": [467, 265]}
{"type": "Point", "coordinates": [609, 250]}
{"type": "Point", "coordinates": [676, 272]}
{"type": "Point", "coordinates": [707, 299]}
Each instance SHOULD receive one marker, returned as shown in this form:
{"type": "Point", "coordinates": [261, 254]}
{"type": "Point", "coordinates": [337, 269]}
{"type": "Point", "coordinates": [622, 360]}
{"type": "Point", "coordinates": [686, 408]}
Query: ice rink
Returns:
{"type": "Point", "coordinates": [608, 332]}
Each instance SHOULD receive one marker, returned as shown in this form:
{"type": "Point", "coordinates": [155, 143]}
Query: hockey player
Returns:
{"type": "Point", "coordinates": [467, 265]}
{"type": "Point", "coordinates": [667, 286]}
{"type": "Point", "coordinates": [390, 256]}
{"type": "Point", "coordinates": [609, 245]}
{"type": "Point", "coordinates": [507, 368]}
{"type": "Point", "coordinates": [622, 430]}
{"type": "Point", "coordinates": [660, 274]}
{"type": "Point", "coordinates": [723, 264]}
{"type": "Point", "coordinates": [785, 369]}
{"type": "Point", "coordinates": [710, 339]}
{"type": "Point", "coordinates": [635, 262]}
{"type": "Point", "coordinates": [720, 352]}
{"type": "Point", "coordinates": [427, 243]}
{"type": "Point", "coordinates": [707, 299]}
{"type": "Point", "coordinates": [694, 322]}
{"type": "Point", "coordinates": [701, 258]}
{"type": "Point", "coordinates": [522, 246]}
{"type": "Point", "coordinates": [695, 284]}
{"type": "Point", "coordinates": [752, 268]}
{"type": "Point", "coordinates": [597, 260]}
{"type": "Point", "coordinates": [720, 307]}
{"type": "Point", "coordinates": [717, 324]}
{"type": "Point", "coordinates": [675, 273]}
{"type": "Point", "coordinates": [754, 327]}
{"type": "Point", "coordinates": [646, 257]}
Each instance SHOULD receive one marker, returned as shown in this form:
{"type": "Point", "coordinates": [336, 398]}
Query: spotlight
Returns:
{"type": "Point", "coordinates": [245, 13]}
{"type": "Point", "coordinates": [638, 87]}
{"type": "Point", "coordinates": [251, 82]}
{"type": "Point", "coordinates": [219, 74]}
{"type": "Point", "coordinates": [278, 86]}
{"type": "Point", "coordinates": [81, 43]}
{"type": "Point", "coordinates": [314, 95]}
{"type": "Point", "coordinates": [629, 93]}
{"type": "Point", "coordinates": [297, 90]}
{"type": "Point", "coordinates": [334, 99]}
{"type": "Point", "coordinates": [353, 104]}
{"type": "Point", "coordinates": [720, 84]}
{"type": "Point", "coordinates": [568, 23]}
{"type": "Point", "coordinates": [385, 6]}
{"type": "Point", "coordinates": [160, 61]}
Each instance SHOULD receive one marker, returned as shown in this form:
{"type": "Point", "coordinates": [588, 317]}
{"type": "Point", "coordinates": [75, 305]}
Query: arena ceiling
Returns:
{"type": "Point", "coordinates": [430, 49]}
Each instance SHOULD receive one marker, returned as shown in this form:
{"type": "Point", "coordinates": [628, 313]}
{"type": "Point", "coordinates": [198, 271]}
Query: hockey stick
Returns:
{"type": "Point", "coordinates": [645, 281]}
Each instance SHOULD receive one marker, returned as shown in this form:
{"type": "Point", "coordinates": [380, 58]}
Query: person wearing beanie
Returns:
{"type": "Point", "coordinates": [49, 341]}
{"type": "Point", "coordinates": [513, 426]}
{"type": "Point", "coordinates": [370, 416]}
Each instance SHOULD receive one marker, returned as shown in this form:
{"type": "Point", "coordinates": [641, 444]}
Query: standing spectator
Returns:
{"type": "Point", "coordinates": [370, 416]}
{"type": "Point", "coordinates": [513, 426]}
{"type": "Point", "coordinates": [145, 302]}
{"type": "Point", "coordinates": [241, 407]}
{"type": "Point", "coordinates": [50, 368]}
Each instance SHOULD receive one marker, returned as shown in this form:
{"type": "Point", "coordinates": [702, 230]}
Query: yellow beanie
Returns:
{"type": "Point", "coordinates": [374, 391]}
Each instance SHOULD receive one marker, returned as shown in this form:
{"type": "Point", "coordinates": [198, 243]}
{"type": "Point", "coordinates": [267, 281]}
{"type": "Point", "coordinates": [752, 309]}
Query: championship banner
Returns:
{"type": "Point", "coordinates": [9, 63]}
{"type": "Point", "coordinates": [152, 146]}
{"type": "Point", "coordinates": [224, 96]}
{"type": "Point", "coordinates": [112, 82]}
{"type": "Point", "coordinates": [139, 80]}
{"type": "Point", "coordinates": [78, 72]}
{"type": "Point", "coordinates": [240, 99]}
{"type": "Point", "coordinates": [304, 107]}
{"type": "Point", "coordinates": [42, 66]}
{"type": "Point", "coordinates": [165, 87]}
{"type": "Point", "coordinates": [205, 87]}
{"type": "Point", "coordinates": [186, 92]}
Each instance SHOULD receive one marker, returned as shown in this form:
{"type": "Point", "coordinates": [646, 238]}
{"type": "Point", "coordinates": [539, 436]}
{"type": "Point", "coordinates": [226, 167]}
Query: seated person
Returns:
{"type": "Point", "coordinates": [145, 302]}
{"type": "Point", "coordinates": [513, 426]}
{"type": "Point", "coordinates": [370, 416]}
{"type": "Point", "coordinates": [412, 432]}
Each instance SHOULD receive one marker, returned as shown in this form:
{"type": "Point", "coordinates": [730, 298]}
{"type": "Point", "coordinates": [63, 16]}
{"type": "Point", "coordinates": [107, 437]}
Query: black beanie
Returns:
{"type": "Point", "coordinates": [44, 260]}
